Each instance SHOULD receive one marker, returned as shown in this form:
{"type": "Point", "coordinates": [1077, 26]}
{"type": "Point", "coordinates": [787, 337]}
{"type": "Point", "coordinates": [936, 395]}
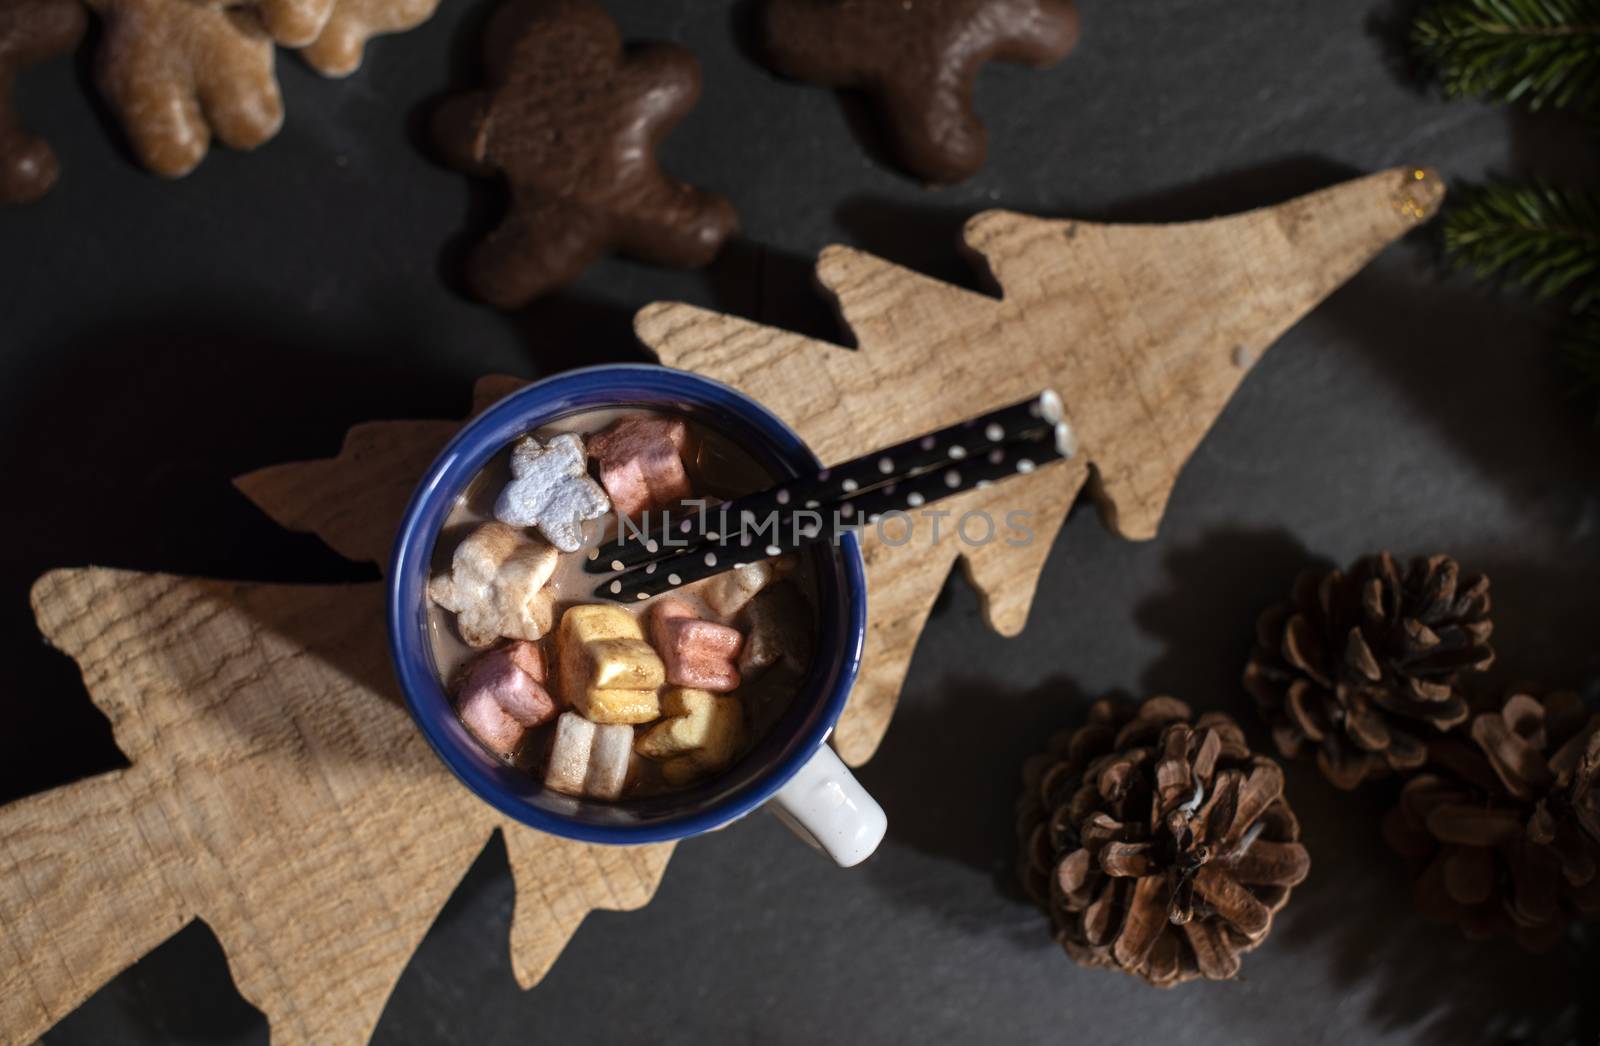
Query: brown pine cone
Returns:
{"type": "Point", "coordinates": [1364, 666]}
{"type": "Point", "coordinates": [1503, 830]}
{"type": "Point", "coordinates": [1157, 846]}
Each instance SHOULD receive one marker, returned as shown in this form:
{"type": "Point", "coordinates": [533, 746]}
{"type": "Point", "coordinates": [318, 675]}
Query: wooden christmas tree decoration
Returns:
{"type": "Point", "coordinates": [277, 789]}
{"type": "Point", "coordinates": [1144, 330]}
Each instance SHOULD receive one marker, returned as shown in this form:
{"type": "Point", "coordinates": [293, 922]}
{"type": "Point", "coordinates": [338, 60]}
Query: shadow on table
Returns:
{"type": "Point", "coordinates": [1544, 619]}
{"type": "Point", "coordinates": [1205, 614]}
{"type": "Point", "coordinates": [127, 445]}
{"type": "Point", "coordinates": [748, 280]}
{"type": "Point", "coordinates": [858, 109]}
{"type": "Point", "coordinates": [1355, 916]}
{"type": "Point", "coordinates": [179, 992]}
{"type": "Point", "coordinates": [953, 791]}
{"type": "Point", "coordinates": [1477, 367]}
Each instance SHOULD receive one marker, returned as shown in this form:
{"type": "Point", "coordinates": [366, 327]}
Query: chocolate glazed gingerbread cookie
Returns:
{"type": "Point", "coordinates": [918, 59]}
{"type": "Point", "coordinates": [573, 121]}
{"type": "Point", "coordinates": [31, 31]}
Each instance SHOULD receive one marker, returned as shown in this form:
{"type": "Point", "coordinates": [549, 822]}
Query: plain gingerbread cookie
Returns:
{"type": "Point", "coordinates": [918, 59]}
{"type": "Point", "coordinates": [292, 23]}
{"type": "Point", "coordinates": [31, 31]}
{"type": "Point", "coordinates": [338, 47]}
{"type": "Point", "coordinates": [572, 121]}
{"type": "Point", "coordinates": [177, 71]}
{"type": "Point", "coordinates": [332, 34]}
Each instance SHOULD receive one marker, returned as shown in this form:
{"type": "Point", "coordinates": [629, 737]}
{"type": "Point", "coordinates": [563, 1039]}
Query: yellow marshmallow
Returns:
{"type": "Point", "coordinates": [607, 670]}
{"type": "Point", "coordinates": [702, 727]}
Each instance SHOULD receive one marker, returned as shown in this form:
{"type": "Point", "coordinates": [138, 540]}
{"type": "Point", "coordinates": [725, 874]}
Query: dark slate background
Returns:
{"type": "Point", "coordinates": [160, 338]}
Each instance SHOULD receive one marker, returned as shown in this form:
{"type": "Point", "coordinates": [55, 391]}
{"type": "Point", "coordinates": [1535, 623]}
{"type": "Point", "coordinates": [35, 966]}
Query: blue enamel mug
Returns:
{"type": "Point", "coordinates": [792, 767]}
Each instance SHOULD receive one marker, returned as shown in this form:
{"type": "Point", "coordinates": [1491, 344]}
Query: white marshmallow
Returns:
{"type": "Point", "coordinates": [551, 490]}
{"type": "Point", "coordinates": [587, 759]}
{"type": "Point", "coordinates": [569, 754]}
{"type": "Point", "coordinates": [496, 586]}
{"type": "Point", "coordinates": [609, 760]}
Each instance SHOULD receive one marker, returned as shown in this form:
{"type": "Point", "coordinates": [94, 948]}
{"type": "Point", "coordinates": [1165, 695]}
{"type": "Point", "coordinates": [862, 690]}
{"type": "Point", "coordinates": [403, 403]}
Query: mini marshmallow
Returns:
{"type": "Point", "coordinates": [701, 734]}
{"type": "Point", "coordinates": [729, 591]}
{"type": "Point", "coordinates": [697, 653]}
{"type": "Point", "coordinates": [778, 627]}
{"type": "Point", "coordinates": [608, 672]}
{"type": "Point", "coordinates": [551, 490]}
{"type": "Point", "coordinates": [514, 675]}
{"type": "Point", "coordinates": [496, 586]}
{"type": "Point", "coordinates": [588, 759]}
{"type": "Point", "coordinates": [641, 462]}
{"type": "Point", "coordinates": [483, 717]}
{"type": "Point", "coordinates": [569, 754]}
{"type": "Point", "coordinates": [609, 760]}
{"type": "Point", "coordinates": [502, 696]}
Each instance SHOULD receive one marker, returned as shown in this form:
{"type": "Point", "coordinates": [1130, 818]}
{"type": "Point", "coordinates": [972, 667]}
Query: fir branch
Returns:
{"type": "Point", "coordinates": [1544, 53]}
{"type": "Point", "coordinates": [1538, 237]}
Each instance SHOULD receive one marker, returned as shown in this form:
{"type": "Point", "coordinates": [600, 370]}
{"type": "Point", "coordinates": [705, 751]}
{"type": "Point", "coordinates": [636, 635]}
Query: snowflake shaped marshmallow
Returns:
{"type": "Point", "coordinates": [551, 490]}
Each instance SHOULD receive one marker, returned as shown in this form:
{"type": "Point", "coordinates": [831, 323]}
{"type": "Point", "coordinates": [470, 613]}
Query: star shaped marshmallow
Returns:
{"type": "Point", "coordinates": [551, 490]}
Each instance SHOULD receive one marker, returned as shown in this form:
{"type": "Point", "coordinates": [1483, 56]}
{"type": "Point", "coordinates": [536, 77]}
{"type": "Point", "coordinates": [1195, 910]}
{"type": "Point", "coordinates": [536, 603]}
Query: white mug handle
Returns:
{"type": "Point", "coordinates": [827, 807]}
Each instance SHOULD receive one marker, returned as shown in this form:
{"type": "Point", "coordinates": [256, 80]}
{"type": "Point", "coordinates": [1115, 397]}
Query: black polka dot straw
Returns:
{"type": "Point", "coordinates": [1014, 440]}
{"type": "Point", "coordinates": [948, 447]}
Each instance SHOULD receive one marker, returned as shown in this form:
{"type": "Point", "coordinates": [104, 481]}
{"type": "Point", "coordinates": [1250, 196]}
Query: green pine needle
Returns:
{"type": "Point", "coordinates": [1543, 239]}
{"type": "Point", "coordinates": [1543, 53]}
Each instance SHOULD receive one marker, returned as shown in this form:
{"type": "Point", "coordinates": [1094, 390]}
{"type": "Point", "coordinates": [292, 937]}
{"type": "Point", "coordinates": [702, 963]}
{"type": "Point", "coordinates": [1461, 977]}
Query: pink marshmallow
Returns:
{"type": "Point", "coordinates": [488, 722]}
{"type": "Point", "coordinates": [502, 690]}
{"type": "Point", "coordinates": [641, 463]}
{"type": "Point", "coordinates": [698, 654]}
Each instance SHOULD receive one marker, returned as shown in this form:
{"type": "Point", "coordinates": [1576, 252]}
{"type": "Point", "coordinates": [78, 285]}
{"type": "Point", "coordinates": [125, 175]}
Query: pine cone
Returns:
{"type": "Point", "coordinates": [1360, 664]}
{"type": "Point", "coordinates": [1503, 830]}
{"type": "Point", "coordinates": [1157, 847]}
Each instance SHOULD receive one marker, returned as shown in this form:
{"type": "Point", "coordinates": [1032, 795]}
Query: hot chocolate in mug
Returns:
{"type": "Point", "coordinates": [790, 766]}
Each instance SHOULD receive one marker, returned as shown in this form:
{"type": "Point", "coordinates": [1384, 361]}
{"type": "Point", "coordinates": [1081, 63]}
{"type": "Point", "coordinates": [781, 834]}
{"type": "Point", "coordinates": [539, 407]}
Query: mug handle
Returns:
{"type": "Point", "coordinates": [827, 807]}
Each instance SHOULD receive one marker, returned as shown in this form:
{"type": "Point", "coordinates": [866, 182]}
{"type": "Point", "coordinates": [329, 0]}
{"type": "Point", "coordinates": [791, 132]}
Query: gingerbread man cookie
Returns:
{"type": "Point", "coordinates": [175, 71]}
{"type": "Point", "coordinates": [292, 23]}
{"type": "Point", "coordinates": [331, 34]}
{"type": "Point", "coordinates": [918, 59]}
{"type": "Point", "coordinates": [572, 121]}
{"type": "Point", "coordinates": [337, 49]}
{"type": "Point", "coordinates": [31, 31]}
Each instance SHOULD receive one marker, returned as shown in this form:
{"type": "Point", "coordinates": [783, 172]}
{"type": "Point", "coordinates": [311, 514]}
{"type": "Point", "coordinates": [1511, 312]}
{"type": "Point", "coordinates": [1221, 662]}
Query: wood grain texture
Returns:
{"type": "Point", "coordinates": [1144, 330]}
{"type": "Point", "coordinates": [278, 790]}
